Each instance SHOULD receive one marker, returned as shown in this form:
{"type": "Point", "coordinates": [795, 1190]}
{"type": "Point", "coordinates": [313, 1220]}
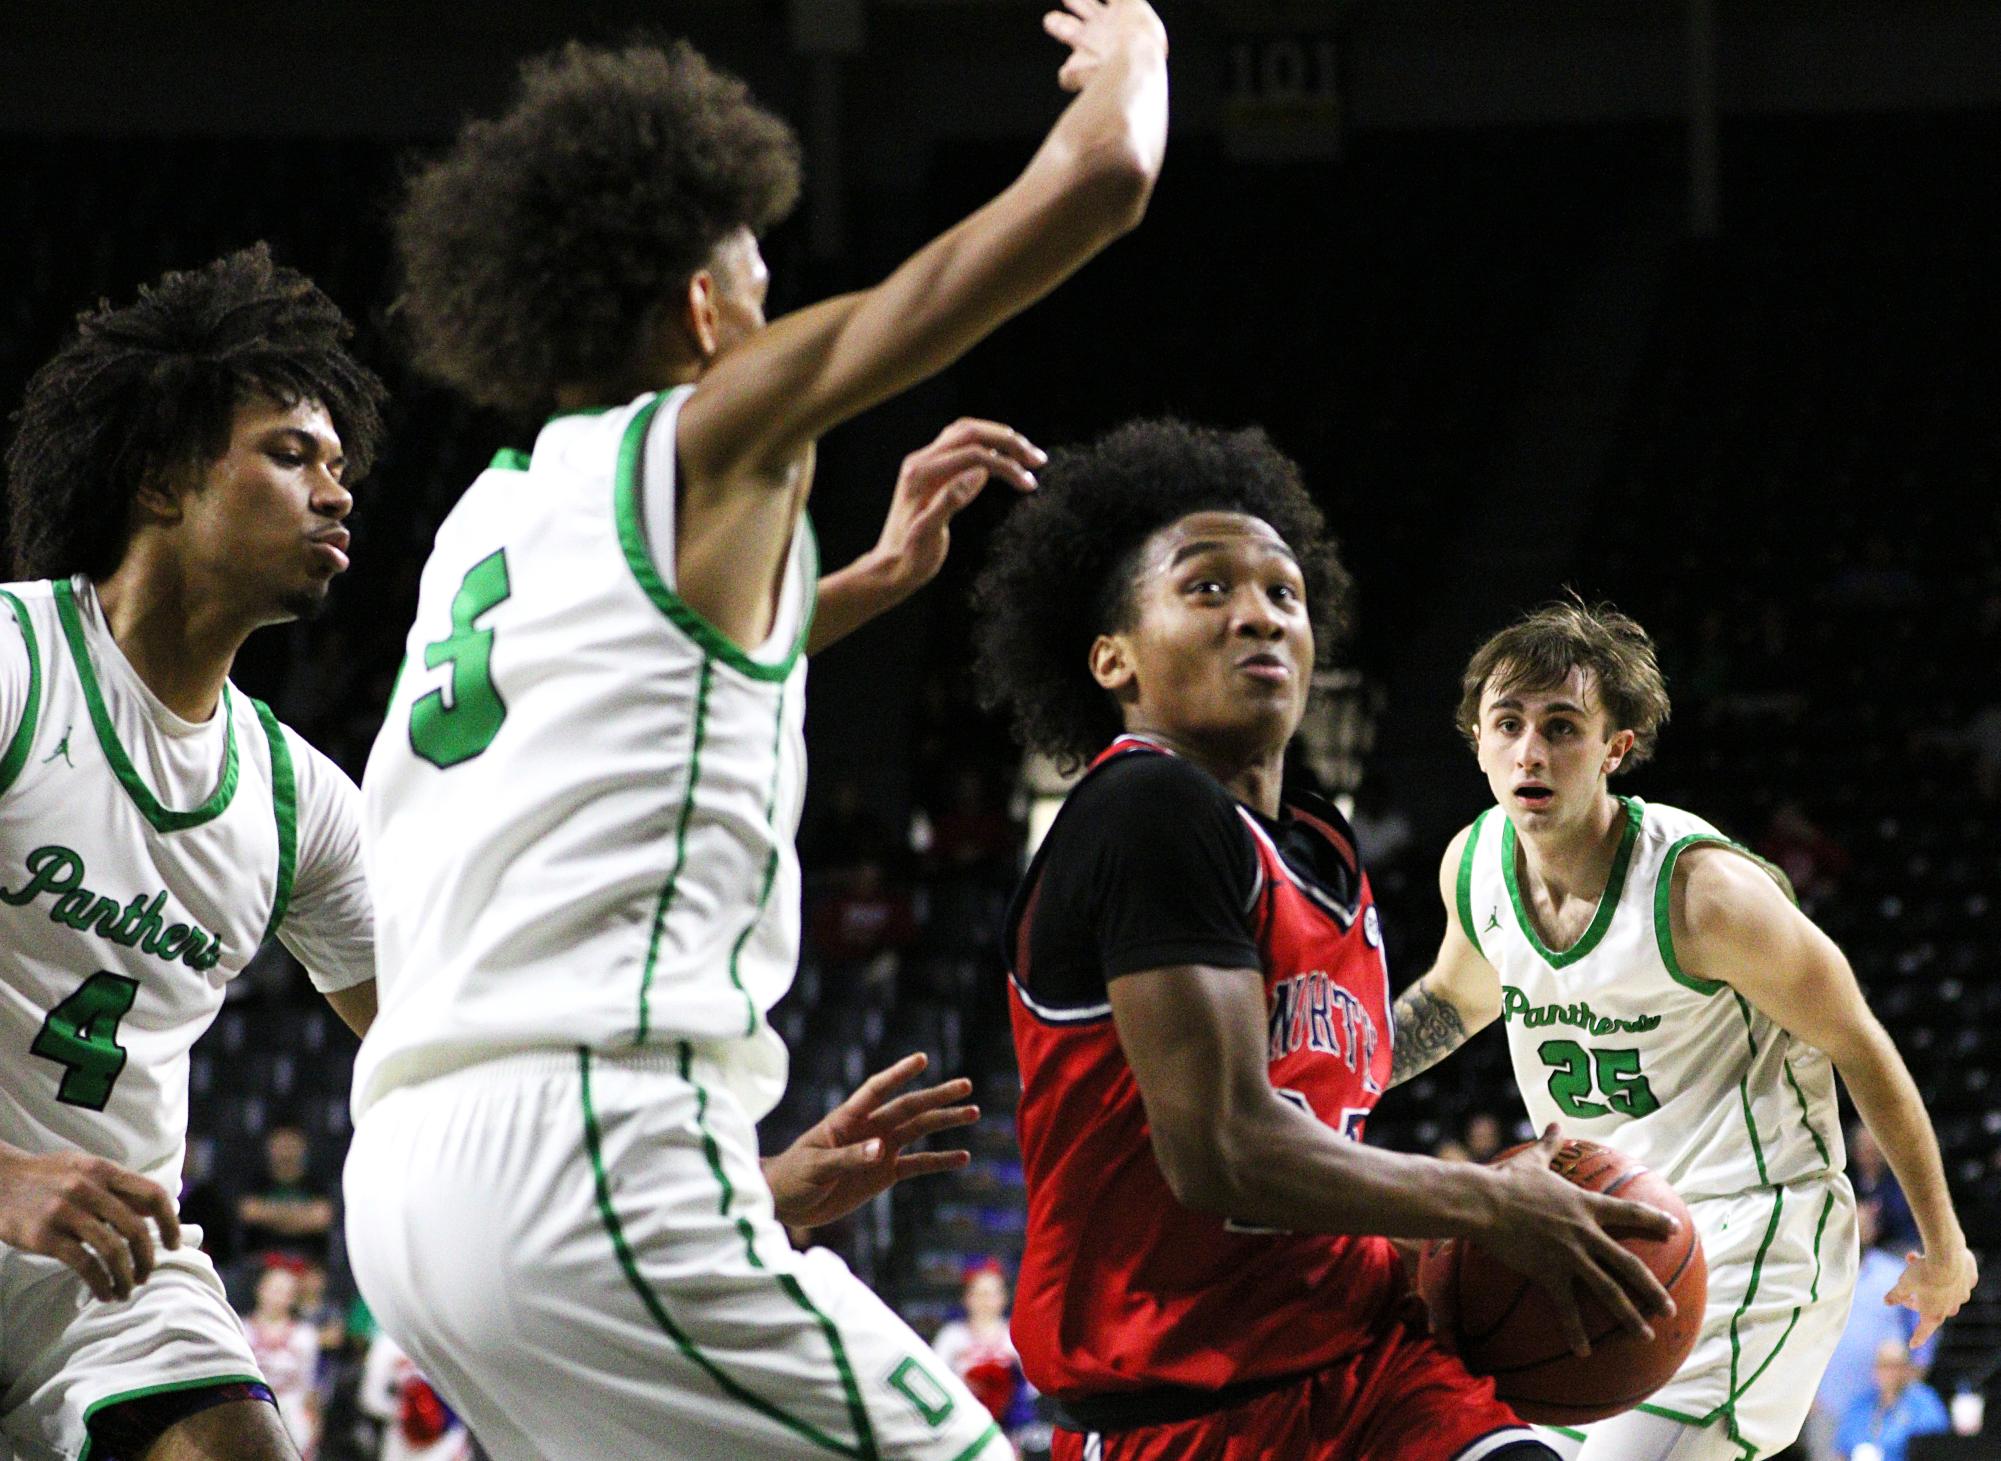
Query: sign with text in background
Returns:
{"type": "Point", "coordinates": [1281, 89]}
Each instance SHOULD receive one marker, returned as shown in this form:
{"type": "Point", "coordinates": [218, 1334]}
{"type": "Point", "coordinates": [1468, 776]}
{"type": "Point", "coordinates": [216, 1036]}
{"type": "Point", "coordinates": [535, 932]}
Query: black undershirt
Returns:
{"type": "Point", "coordinates": [1149, 866]}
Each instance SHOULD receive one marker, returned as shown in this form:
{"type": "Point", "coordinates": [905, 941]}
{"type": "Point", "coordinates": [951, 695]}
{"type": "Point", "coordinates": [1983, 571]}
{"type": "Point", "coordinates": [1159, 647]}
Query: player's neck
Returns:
{"type": "Point", "coordinates": [179, 641]}
{"type": "Point", "coordinates": [1575, 861]}
{"type": "Point", "coordinates": [1253, 778]}
{"type": "Point", "coordinates": [663, 372]}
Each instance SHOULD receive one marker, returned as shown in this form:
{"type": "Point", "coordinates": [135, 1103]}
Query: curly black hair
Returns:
{"type": "Point", "coordinates": [1062, 565]}
{"type": "Point", "coordinates": [538, 251]}
{"type": "Point", "coordinates": [152, 389]}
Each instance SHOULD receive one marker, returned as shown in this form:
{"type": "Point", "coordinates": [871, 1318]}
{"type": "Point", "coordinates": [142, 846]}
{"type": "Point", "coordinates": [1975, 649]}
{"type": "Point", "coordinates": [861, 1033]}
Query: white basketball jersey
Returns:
{"type": "Point", "coordinates": [581, 808]}
{"type": "Point", "coordinates": [127, 900]}
{"type": "Point", "coordinates": [1616, 1041]}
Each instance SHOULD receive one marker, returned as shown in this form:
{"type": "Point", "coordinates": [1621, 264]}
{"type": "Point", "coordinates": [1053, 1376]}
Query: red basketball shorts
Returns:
{"type": "Point", "coordinates": [1402, 1399]}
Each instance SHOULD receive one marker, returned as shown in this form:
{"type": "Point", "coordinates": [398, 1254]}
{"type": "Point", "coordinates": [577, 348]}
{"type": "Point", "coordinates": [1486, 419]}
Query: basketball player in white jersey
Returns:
{"type": "Point", "coordinates": [1664, 995]}
{"type": "Point", "coordinates": [580, 811]}
{"type": "Point", "coordinates": [178, 479]}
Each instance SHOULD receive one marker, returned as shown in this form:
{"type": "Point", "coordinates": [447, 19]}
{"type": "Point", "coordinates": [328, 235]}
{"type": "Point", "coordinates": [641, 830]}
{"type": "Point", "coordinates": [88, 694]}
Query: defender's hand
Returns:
{"type": "Point", "coordinates": [87, 1212]}
{"type": "Point", "coordinates": [1097, 30]}
{"type": "Point", "coordinates": [1935, 1285]}
{"type": "Point", "coordinates": [1558, 1236]}
{"type": "Point", "coordinates": [936, 483]}
{"type": "Point", "coordinates": [857, 1151]}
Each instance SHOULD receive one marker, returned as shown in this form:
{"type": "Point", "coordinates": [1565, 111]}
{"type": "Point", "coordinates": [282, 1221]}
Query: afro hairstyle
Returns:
{"type": "Point", "coordinates": [1062, 565]}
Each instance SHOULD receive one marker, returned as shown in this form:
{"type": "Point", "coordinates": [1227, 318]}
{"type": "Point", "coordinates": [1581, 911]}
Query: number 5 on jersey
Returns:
{"type": "Point", "coordinates": [457, 721]}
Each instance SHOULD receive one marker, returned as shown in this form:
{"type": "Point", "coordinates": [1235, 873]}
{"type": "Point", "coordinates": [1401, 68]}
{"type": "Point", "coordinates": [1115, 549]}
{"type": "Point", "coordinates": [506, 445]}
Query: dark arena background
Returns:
{"type": "Point", "coordinates": [1686, 305]}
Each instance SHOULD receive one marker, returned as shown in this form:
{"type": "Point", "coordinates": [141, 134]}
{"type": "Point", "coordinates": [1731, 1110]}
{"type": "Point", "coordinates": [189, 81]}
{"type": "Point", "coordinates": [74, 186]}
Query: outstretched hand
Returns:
{"type": "Point", "coordinates": [939, 481]}
{"type": "Point", "coordinates": [856, 1152]}
{"type": "Point", "coordinates": [1935, 1286]}
{"type": "Point", "coordinates": [1097, 30]}
{"type": "Point", "coordinates": [89, 1213]}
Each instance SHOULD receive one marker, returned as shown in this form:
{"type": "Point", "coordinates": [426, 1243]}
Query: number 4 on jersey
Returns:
{"type": "Point", "coordinates": [81, 1035]}
{"type": "Point", "coordinates": [446, 730]}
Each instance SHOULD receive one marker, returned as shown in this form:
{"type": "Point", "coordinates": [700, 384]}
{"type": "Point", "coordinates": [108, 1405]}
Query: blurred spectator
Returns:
{"type": "Point", "coordinates": [287, 1351]}
{"type": "Point", "coordinates": [1983, 738]}
{"type": "Point", "coordinates": [1872, 1323]}
{"type": "Point", "coordinates": [286, 1215]}
{"type": "Point", "coordinates": [862, 921]}
{"type": "Point", "coordinates": [417, 1425]}
{"type": "Point", "coordinates": [1382, 828]}
{"type": "Point", "coordinates": [1811, 860]}
{"type": "Point", "coordinates": [847, 832]}
{"type": "Point", "coordinates": [971, 836]}
{"type": "Point", "coordinates": [204, 1206]}
{"type": "Point", "coordinates": [314, 1307]}
{"type": "Point", "coordinates": [978, 1347]}
{"type": "Point", "coordinates": [1451, 1149]}
{"type": "Point", "coordinates": [1876, 1184]}
{"type": "Point", "coordinates": [1898, 1406]}
{"type": "Point", "coordinates": [1484, 1136]}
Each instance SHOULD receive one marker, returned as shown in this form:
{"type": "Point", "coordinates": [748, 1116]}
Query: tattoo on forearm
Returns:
{"type": "Point", "coordinates": [1428, 1029]}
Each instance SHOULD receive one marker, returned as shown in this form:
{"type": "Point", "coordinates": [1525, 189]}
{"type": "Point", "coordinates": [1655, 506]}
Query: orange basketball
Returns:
{"type": "Point", "coordinates": [1502, 1325]}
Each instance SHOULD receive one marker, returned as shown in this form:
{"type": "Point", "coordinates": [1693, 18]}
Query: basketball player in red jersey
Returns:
{"type": "Point", "coordinates": [1201, 1008]}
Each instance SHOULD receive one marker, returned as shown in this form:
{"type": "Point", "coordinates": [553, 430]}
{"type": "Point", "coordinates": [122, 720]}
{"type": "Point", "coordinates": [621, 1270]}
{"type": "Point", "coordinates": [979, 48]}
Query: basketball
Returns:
{"type": "Point", "coordinates": [1503, 1325]}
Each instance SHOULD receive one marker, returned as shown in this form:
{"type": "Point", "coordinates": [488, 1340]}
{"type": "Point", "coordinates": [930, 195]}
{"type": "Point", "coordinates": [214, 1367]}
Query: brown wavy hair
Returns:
{"type": "Point", "coordinates": [1538, 651]}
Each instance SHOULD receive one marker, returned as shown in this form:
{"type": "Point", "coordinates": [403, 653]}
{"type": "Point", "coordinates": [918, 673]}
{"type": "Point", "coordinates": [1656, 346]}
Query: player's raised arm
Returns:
{"type": "Point", "coordinates": [1732, 923]}
{"type": "Point", "coordinates": [1460, 994]}
{"type": "Point", "coordinates": [1229, 1144]}
{"type": "Point", "coordinates": [765, 401]}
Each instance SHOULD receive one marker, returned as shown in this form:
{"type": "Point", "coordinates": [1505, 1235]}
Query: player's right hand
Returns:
{"type": "Point", "coordinates": [1097, 30]}
{"type": "Point", "coordinates": [87, 1212]}
{"type": "Point", "coordinates": [1558, 1236]}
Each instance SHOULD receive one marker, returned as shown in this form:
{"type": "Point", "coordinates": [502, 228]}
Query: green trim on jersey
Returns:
{"type": "Point", "coordinates": [161, 818]}
{"type": "Point", "coordinates": [1465, 899]}
{"type": "Point", "coordinates": [285, 802]}
{"type": "Point", "coordinates": [770, 871]}
{"type": "Point", "coordinates": [666, 898]}
{"type": "Point", "coordinates": [715, 1156]}
{"type": "Point", "coordinates": [24, 733]}
{"type": "Point", "coordinates": [857, 1412]}
{"type": "Point", "coordinates": [629, 1265]}
{"type": "Point", "coordinates": [987, 1438]}
{"type": "Point", "coordinates": [1806, 1113]}
{"type": "Point", "coordinates": [1729, 1407]}
{"type": "Point", "coordinates": [1665, 1414]}
{"type": "Point", "coordinates": [509, 459]}
{"type": "Point", "coordinates": [639, 558]}
{"type": "Point", "coordinates": [1664, 901]}
{"type": "Point", "coordinates": [1608, 901]}
{"type": "Point", "coordinates": [1813, 1296]}
{"type": "Point", "coordinates": [148, 1392]}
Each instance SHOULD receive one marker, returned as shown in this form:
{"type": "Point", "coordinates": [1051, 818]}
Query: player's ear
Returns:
{"type": "Point", "coordinates": [1617, 750]}
{"type": "Point", "coordinates": [158, 498]}
{"type": "Point", "coordinates": [701, 315]}
{"type": "Point", "coordinates": [1111, 663]}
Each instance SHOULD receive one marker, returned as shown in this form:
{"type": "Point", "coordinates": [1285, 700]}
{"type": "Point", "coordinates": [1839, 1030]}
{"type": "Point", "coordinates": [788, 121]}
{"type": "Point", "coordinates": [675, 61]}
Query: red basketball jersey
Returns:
{"type": "Point", "coordinates": [1121, 1287]}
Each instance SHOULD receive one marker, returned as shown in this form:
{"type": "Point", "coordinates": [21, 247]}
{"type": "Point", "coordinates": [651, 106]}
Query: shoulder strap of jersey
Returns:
{"type": "Point", "coordinates": [1664, 902]}
{"type": "Point", "coordinates": [285, 804]}
{"type": "Point", "coordinates": [1465, 898]}
{"type": "Point", "coordinates": [16, 754]}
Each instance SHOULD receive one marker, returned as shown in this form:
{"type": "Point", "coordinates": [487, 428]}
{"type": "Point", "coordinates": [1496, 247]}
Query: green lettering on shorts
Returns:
{"type": "Point", "coordinates": [920, 1387]}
